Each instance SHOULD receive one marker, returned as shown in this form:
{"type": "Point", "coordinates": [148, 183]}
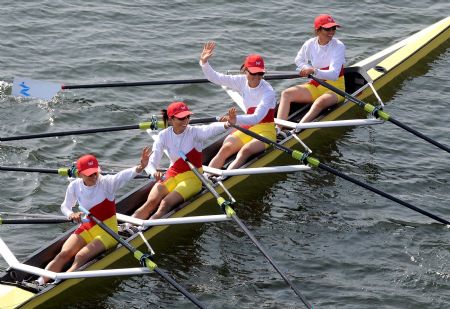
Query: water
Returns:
{"type": "Point", "coordinates": [341, 245]}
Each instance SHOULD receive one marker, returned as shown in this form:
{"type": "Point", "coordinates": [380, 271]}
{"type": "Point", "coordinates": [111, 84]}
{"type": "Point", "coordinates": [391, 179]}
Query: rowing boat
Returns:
{"type": "Point", "coordinates": [383, 68]}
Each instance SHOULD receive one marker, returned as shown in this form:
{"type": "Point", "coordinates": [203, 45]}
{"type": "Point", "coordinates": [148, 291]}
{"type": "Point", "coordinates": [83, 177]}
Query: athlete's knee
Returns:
{"type": "Point", "coordinates": [66, 254]}
{"type": "Point", "coordinates": [80, 259]}
{"type": "Point", "coordinates": [287, 94]}
{"type": "Point", "coordinates": [226, 150]}
{"type": "Point", "coordinates": [246, 152]}
{"type": "Point", "coordinates": [164, 206]}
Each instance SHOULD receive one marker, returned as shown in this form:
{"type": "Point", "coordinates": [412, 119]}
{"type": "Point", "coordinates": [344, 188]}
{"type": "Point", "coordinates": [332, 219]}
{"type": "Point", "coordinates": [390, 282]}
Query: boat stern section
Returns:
{"type": "Point", "coordinates": [12, 296]}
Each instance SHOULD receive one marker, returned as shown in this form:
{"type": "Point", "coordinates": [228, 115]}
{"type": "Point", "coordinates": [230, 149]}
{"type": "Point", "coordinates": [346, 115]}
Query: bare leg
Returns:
{"type": "Point", "coordinates": [230, 146]}
{"type": "Point", "coordinates": [171, 199]}
{"type": "Point", "coordinates": [298, 94]}
{"type": "Point", "coordinates": [246, 151]}
{"type": "Point", "coordinates": [157, 193]}
{"type": "Point", "coordinates": [324, 101]}
{"type": "Point", "coordinates": [86, 254]}
{"type": "Point", "coordinates": [70, 248]}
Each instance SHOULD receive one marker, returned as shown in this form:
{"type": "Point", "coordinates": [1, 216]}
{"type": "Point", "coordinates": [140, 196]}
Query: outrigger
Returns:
{"type": "Point", "coordinates": [363, 79]}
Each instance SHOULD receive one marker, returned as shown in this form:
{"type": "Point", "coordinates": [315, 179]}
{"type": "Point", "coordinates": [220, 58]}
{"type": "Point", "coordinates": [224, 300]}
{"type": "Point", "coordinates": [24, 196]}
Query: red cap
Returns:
{"type": "Point", "coordinates": [254, 63]}
{"type": "Point", "coordinates": [87, 165]}
{"type": "Point", "coordinates": [178, 109]}
{"type": "Point", "coordinates": [324, 21]}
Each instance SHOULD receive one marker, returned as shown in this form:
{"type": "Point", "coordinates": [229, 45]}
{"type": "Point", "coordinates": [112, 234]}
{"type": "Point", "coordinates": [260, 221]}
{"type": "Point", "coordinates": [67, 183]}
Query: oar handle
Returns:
{"type": "Point", "coordinates": [107, 229]}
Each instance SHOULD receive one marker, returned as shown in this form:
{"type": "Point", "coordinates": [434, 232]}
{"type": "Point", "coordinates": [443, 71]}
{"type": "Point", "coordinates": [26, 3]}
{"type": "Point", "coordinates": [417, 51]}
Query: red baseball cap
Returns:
{"type": "Point", "coordinates": [254, 63]}
{"type": "Point", "coordinates": [87, 165]}
{"type": "Point", "coordinates": [178, 109]}
{"type": "Point", "coordinates": [324, 21]}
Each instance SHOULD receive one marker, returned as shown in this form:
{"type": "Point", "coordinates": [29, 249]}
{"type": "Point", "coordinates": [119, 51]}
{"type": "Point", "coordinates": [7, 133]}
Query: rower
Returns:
{"type": "Point", "coordinates": [179, 182]}
{"type": "Point", "coordinates": [324, 57]}
{"type": "Point", "coordinates": [96, 193]}
{"type": "Point", "coordinates": [259, 103]}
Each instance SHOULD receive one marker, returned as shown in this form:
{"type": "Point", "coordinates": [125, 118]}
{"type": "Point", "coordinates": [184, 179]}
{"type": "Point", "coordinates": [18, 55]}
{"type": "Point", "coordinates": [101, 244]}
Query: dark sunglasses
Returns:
{"type": "Point", "coordinates": [329, 29]}
{"type": "Point", "coordinates": [253, 74]}
{"type": "Point", "coordinates": [184, 118]}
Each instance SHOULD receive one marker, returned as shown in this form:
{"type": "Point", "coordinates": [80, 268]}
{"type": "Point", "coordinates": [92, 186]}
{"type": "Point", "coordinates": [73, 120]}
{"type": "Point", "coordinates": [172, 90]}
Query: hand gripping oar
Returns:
{"type": "Point", "coordinates": [305, 158]}
{"type": "Point", "coordinates": [231, 213]}
{"type": "Point", "coordinates": [379, 113]}
{"type": "Point", "coordinates": [143, 258]}
{"type": "Point", "coordinates": [63, 171]}
{"type": "Point", "coordinates": [30, 88]}
{"type": "Point", "coordinates": [153, 124]}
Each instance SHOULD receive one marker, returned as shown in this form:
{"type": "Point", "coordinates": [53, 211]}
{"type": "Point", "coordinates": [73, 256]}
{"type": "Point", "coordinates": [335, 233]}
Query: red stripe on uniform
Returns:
{"type": "Point", "coordinates": [102, 211]}
{"type": "Point", "coordinates": [180, 166]}
{"type": "Point", "coordinates": [270, 116]}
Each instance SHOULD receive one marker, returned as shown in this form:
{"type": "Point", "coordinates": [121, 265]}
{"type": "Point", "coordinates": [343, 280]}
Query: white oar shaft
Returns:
{"type": "Point", "coordinates": [328, 124]}
{"type": "Point", "coordinates": [104, 273]}
{"type": "Point", "coordinates": [171, 221]}
{"type": "Point", "coordinates": [256, 170]}
{"type": "Point", "coordinates": [15, 264]}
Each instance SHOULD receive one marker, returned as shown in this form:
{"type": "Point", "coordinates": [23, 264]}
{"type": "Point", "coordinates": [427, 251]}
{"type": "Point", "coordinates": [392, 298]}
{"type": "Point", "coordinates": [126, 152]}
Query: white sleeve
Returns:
{"type": "Point", "coordinates": [117, 181]}
{"type": "Point", "coordinates": [231, 81]}
{"type": "Point", "coordinates": [266, 103]}
{"type": "Point", "coordinates": [157, 153]}
{"type": "Point", "coordinates": [70, 200]}
{"type": "Point", "coordinates": [206, 131]}
{"type": "Point", "coordinates": [336, 63]}
{"type": "Point", "coordinates": [301, 60]}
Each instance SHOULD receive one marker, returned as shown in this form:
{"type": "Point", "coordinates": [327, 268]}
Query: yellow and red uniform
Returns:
{"type": "Point", "coordinates": [259, 103]}
{"type": "Point", "coordinates": [100, 201]}
{"type": "Point", "coordinates": [328, 61]}
{"type": "Point", "coordinates": [179, 176]}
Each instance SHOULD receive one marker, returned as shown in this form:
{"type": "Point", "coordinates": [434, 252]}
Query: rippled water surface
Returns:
{"type": "Point", "coordinates": [343, 246]}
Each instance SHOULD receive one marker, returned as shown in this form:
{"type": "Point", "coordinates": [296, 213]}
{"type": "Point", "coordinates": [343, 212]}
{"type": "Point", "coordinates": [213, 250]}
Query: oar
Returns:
{"type": "Point", "coordinates": [143, 258]}
{"type": "Point", "coordinates": [231, 213]}
{"type": "Point", "coordinates": [34, 220]}
{"type": "Point", "coordinates": [63, 171]}
{"type": "Point", "coordinates": [168, 82]}
{"type": "Point", "coordinates": [154, 124]}
{"type": "Point", "coordinates": [305, 158]}
{"type": "Point", "coordinates": [379, 113]}
{"type": "Point", "coordinates": [26, 87]}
